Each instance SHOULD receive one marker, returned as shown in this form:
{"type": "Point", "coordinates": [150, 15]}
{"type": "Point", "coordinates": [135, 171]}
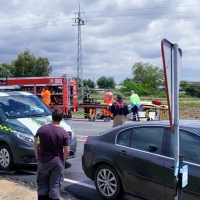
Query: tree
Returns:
{"type": "Point", "coordinates": [183, 85]}
{"type": "Point", "coordinates": [104, 82]}
{"type": "Point", "coordinates": [128, 85]}
{"type": "Point", "coordinates": [110, 82]}
{"type": "Point", "coordinates": [193, 90]}
{"type": "Point", "coordinates": [4, 71]}
{"type": "Point", "coordinates": [151, 77]}
{"type": "Point", "coordinates": [88, 83]}
{"type": "Point", "coordinates": [42, 67]}
{"type": "Point", "coordinates": [28, 65]}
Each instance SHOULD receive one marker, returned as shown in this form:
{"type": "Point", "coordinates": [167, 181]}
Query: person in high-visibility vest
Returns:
{"type": "Point", "coordinates": [108, 99]}
{"type": "Point", "coordinates": [135, 104]}
{"type": "Point", "coordinates": [46, 96]}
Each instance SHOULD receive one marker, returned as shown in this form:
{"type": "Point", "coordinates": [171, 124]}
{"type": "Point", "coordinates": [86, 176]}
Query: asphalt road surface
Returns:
{"type": "Point", "coordinates": [75, 181]}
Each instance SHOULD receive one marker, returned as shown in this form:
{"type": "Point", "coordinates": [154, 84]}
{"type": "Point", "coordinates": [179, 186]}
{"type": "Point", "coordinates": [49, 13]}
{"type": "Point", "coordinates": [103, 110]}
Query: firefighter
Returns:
{"type": "Point", "coordinates": [87, 99]}
{"type": "Point", "coordinates": [108, 99]}
{"type": "Point", "coordinates": [46, 96]}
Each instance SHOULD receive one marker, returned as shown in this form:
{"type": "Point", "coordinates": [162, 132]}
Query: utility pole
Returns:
{"type": "Point", "coordinates": [79, 22]}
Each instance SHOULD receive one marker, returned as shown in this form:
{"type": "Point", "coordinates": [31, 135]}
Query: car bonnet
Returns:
{"type": "Point", "coordinates": [33, 123]}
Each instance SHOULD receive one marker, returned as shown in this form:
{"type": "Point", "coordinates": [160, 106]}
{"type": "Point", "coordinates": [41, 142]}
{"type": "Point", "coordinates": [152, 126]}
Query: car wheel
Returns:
{"type": "Point", "coordinates": [6, 157]}
{"type": "Point", "coordinates": [108, 183]}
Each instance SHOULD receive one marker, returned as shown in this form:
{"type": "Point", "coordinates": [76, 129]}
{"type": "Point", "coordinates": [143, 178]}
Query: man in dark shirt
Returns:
{"type": "Point", "coordinates": [119, 109]}
{"type": "Point", "coordinates": [52, 147]}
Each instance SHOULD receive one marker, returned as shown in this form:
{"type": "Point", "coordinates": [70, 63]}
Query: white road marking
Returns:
{"type": "Point", "coordinates": [81, 136]}
{"type": "Point", "coordinates": [28, 171]}
{"type": "Point", "coordinates": [80, 140]}
{"type": "Point", "coordinates": [79, 183]}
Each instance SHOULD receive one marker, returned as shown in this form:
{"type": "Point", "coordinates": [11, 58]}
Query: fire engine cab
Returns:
{"type": "Point", "coordinates": [63, 90]}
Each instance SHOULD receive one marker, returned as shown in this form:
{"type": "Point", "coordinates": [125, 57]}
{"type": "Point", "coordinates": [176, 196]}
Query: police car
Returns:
{"type": "Point", "coordinates": [21, 114]}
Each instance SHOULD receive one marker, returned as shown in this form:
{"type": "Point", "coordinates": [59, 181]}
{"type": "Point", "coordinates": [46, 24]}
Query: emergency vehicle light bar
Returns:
{"type": "Point", "coordinates": [10, 87]}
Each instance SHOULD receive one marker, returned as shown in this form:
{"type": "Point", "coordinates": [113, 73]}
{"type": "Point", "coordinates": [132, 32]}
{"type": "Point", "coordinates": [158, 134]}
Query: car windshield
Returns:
{"type": "Point", "coordinates": [20, 106]}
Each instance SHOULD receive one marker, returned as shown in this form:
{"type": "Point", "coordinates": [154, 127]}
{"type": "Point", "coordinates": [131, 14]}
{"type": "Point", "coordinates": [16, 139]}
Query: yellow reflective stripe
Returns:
{"type": "Point", "coordinates": [6, 128]}
{"type": "Point", "coordinates": [34, 122]}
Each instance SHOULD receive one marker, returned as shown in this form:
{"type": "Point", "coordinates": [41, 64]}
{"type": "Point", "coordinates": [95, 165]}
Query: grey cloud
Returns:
{"type": "Point", "coordinates": [109, 39]}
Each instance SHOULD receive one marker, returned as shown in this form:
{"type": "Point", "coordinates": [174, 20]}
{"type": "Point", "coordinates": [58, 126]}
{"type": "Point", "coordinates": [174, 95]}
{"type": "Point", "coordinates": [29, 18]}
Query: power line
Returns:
{"type": "Point", "coordinates": [110, 18]}
{"type": "Point", "coordinates": [36, 27]}
{"type": "Point", "coordinates": [135, 14]}
{"type": "Point", "coordinates": [131, 19]}
{"type": "Point", "coordinates": [42, 6]}
{"type": "Point", "coordinates": [34, 24]}
{"type": "Point", "coordinates": [25, 11]}
{"type": "Point", "coordinates": [139, 14]}
{"type": "Point", "coordinates": [150, 8]}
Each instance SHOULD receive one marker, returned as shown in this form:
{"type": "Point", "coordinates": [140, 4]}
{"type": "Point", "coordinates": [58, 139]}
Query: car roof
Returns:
{"type": "Point", "coordinates": [187, 124]}
{"type": "Point", "coordinates": [13, 93]}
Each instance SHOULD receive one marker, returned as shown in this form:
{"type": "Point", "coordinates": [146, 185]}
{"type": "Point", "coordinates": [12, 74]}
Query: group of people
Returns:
{"type": "Point", "coordinates": [120, 109]}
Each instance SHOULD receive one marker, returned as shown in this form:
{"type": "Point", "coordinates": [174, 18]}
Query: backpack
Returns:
{"type": "Point", "coordinates": [120, 105]}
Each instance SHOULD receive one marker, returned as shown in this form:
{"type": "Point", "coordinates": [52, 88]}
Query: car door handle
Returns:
{"type": "Point", "coordinates": [171, 167]}
{"type": "Point", "coordinates": [123, 153]}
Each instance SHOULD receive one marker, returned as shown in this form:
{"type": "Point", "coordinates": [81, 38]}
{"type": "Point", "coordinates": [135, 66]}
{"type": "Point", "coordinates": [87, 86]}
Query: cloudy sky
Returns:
{"type": "Point", "coordinates": [116, 34]}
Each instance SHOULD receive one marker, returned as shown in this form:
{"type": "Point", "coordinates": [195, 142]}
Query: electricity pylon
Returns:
{"type": "Point", "coordinates": [79, 22]}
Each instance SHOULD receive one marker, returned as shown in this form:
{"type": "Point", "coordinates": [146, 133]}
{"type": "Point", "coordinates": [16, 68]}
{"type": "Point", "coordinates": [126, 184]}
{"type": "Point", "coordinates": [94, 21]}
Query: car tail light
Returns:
{"type": "Point", "coordinates": [87, 139]}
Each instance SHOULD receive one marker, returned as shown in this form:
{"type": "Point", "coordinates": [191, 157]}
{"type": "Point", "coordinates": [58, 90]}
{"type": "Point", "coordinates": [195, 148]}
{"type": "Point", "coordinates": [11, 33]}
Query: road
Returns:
{"type": "Point", "coordinates": [75, 181]}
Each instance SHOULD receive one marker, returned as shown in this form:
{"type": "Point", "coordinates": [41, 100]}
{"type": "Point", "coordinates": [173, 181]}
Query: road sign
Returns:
{"type": "Point", "coordinates": [171, 54]}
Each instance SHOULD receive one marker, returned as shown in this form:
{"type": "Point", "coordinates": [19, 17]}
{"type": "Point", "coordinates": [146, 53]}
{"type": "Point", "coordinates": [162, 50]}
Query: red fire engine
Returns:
{"type": "Point", "coordinates": [63, 90]}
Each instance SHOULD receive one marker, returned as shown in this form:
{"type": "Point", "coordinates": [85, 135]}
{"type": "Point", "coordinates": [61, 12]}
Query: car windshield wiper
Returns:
{"type": "Point", "coordinates": [12, 117]}
{"type": "Point", "coordinates": [37, 115]}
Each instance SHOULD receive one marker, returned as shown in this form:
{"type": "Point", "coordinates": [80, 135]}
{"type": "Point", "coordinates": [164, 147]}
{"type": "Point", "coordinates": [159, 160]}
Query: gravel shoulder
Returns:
{"type": "Point", "coordinates": [18, 190]}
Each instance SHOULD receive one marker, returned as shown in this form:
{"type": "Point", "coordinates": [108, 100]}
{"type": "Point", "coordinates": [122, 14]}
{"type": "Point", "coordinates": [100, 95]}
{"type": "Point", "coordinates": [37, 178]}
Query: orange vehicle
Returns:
{"type": "Point", "coordinates": [63, 90]}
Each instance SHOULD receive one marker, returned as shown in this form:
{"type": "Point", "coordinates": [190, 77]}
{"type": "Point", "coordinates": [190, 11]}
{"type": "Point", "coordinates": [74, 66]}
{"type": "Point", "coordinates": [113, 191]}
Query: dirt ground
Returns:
{"type": "Point", "coordinates": [11, 190]}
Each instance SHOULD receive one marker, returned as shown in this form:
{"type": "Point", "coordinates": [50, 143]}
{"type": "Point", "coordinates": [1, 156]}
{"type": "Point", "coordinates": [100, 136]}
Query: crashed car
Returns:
{"type": "Point", "coordinates": [142, 112]}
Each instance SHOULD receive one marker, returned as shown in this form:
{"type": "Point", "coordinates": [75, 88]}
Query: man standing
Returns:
{"type": "Point", "coordinates": [51, 147]}
{"type": "Point", "coordinates": [135, 104]}
{"type": "Point", "coordinates": [119, 109]}
{"type": "Point", "coordinates": [87, 99]}
{"type": "Point", "coordinates": [46, 96]}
